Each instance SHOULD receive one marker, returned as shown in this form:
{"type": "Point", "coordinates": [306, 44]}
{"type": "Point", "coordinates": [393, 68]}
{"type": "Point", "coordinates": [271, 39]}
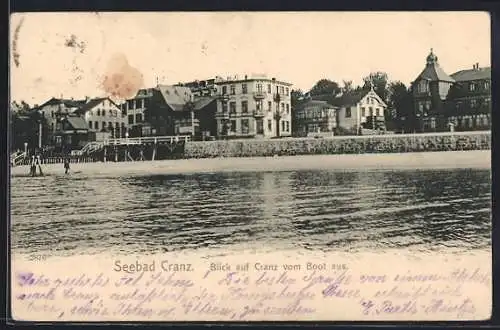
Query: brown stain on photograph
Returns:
{"type": "Point", "coordinates": [121, 79]}
{"type": "Point", "coordinates": [15, 52]}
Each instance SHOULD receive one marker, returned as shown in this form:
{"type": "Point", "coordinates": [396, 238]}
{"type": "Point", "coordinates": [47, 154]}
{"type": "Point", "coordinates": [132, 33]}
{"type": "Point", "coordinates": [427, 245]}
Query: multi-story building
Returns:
{"type": "Point", "coordinates": [358, 109]}
{"type": "Point", "coordinates": [253, 107]}
{"type": "Point", "coordinates": [104, 118]}
{"type": "Point", "coordinates": [469, 99]}
{"type": "Point", "coordinates": [54, 109]}
{"type": "Point", "coordinates": [459, 101]}
{"type": "Point", "coordinates": [170, 110]}
{"type": "Point", "coordinates": [315, 117]}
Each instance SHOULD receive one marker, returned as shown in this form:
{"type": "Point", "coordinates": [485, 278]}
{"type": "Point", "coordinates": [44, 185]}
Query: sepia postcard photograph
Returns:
{"type": "Point", "coordinates": [250, 166]}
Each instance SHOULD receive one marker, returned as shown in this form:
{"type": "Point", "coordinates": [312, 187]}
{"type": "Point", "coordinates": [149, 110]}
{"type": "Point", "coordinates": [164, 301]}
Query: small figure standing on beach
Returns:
{"type": "Point", "coordinates": [38, 163]}
{"type": "Point", "coordinates": [33, 166]}
{"type": "Point", "coordinates": [66, 165]}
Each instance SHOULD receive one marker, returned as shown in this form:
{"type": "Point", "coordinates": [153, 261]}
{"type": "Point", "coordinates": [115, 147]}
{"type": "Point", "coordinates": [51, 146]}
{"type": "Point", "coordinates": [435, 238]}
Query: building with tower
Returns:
{"type": "Point", "coordinates": [460, 101]}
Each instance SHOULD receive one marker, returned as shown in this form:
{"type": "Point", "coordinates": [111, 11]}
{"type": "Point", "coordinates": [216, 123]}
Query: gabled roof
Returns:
{"type": "Point", "coordinates": [433, 72]}
{"type": "Point", "coordinates": [323, 104]}
{"type": "Point", "coordinates": [472, 74]}
{"type": "Point", "coordinates": [77, 123]}
{"type": "Point", "coordinates": [92, 104]}
{"type": "Point", "coordinates": [349, 98]}
{"type": "Point", "coordinates": [176, 97]}
{"type": "Point", "coordinates": [202, 101]}
{"type": "Point", "coordinates": [69, 103]}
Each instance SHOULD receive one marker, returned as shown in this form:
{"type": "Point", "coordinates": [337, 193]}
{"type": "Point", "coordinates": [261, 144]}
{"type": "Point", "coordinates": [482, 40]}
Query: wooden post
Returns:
{"type": "Point", "coordinates": [154, 150]}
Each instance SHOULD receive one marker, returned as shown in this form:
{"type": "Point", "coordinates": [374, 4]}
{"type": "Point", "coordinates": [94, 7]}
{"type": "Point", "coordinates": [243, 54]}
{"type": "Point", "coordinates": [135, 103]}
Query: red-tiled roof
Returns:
{"type": "Point", "coordinates": [472, 74]}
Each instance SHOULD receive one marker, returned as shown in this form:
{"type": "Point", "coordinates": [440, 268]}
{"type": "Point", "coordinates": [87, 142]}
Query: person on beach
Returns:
{"type": "Point", "coordinates": [38, 163]}
{"type": "Point", "coordinates": [66, 165]}
{"type": "Point", "coordinates": [33, 166]}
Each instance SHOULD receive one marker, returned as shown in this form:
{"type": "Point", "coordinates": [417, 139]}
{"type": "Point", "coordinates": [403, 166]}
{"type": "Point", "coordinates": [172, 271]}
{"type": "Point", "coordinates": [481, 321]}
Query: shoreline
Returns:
{"type": "Point", "coordinates": [381, 161]}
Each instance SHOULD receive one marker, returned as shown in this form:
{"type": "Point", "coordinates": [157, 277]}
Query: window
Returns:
{"type": "Point", "coordinates": [233, 126]}
{"type": "Point", "coordinates": [287, 126]}
{"type": "Point", "coordinates": [473, 103]}
{"type": "Point", "coordinates": [110, 125]}
{"type": "Point", "coordinates": [287, 91]}
{"type": "Point", "coordinates": [287, 108]}
{"type": "Point", "coordinates": [224, 107]}
{"type": "Point", "coordinates": [283, 126]}
{"type": "Point", "coordinates": [371, 111]}
{"type": "Point", "coordinates": [472, 87]}
{"type": "Point", "coordinates": [138, 118]}
{"type": "Point", "coordinates": [377, 111]}
{"type": "Point", "coordinates": [52, 127]}
{"type": "Point", "coordinates": [244, 126]}
{"type": "Point", "coordinates": [103, 125]}
{"type": "Point", "coordinates": [282, 107]}
{"type": "Point", "coordinates": [224, 90]}
{"type": "Point", "coordinates": [363, 112]}
{"type": "Point", "coordinates": [98, 112]}
{"type": "Point", "coordinates": [104, 112]}
{"type": "Point", "coordinates": [486, 85]}
{"type": "Point", "coordinates": [259, 105]}
{"type": "Point", "coordinates": [90, 124]}
{"type": "Point", "coordinates": [259, 88]}
{"type": "Point", "coordinates": [348, 112]}
{"type": "Point", "coordinates": [130, 120]}
{"type": "Point", "coordinates": [52, 114]}
{"type": "Point", "coordinates": [269, 88]}
{"type": "Point", "coordinates": [269, 106]}
{"type": "Point", "coordinates": [233, 90]}
{"type": "Point", "coordinates": [244, 106]}
{"type": "Point", "coordinates": [244, 89]}
{"type": "Point", "coordinates": [423, 87]}
{"type": "Point", "coordinates": [269, 125]}
{"type": "Point", "coordinates": [232, 107]}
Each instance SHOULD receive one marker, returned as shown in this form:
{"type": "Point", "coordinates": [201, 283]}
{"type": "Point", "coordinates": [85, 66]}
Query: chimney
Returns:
{"type": "Point", "coordinates": [246, 77]}
{"type": "Point", "coordinates": [477, 65]}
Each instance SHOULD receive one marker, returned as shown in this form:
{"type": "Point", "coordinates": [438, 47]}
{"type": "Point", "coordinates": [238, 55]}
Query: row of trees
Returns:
{"type": "Point", "coordinates": [395, 94]}
{"type": "Point", "coordinates": [25, 125]}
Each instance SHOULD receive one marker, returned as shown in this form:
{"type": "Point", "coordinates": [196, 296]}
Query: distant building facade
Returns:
{"type": "Point", "coordinates": [52, 111]}
{"type": "Point", "coordinates": [315, 117]}
{"type": "Point", "coordinates": [253, 107]}
{"type": "Point", "coordinates": [460, 101]}
{"type": "Point", "coordinates": [358, 109]}
{"type": "Point", "coordinates": [104, 118]}
{"type": "Point", "coordinates": [170, 110]}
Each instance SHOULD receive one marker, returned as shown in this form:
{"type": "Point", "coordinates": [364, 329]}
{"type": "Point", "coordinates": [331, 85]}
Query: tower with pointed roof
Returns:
{"type": "Point", "coordinates": [430, 90]}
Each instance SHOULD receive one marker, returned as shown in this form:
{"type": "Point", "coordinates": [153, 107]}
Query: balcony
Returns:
{"type": "Point", "coordinates": [223, 97]}
{"type": "Point", "coordinates": [258, 113]}
{"type": "Point", "coordinates": [259, 95]}
{"type": "Point", "coordinates": [222, 115]}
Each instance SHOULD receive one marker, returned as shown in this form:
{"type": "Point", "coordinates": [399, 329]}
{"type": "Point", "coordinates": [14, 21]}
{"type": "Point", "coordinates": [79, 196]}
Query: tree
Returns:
{"type": "Point", "coordinates": [379, 81]}
{"type": "Point", "coordinates": [296, 95]}
{"type": "Point", "coordinates": [400, 104]}
{"type": "Point", "coordinates": [325, 86]}
{"type": "Point", "coordinates": [348, 86]}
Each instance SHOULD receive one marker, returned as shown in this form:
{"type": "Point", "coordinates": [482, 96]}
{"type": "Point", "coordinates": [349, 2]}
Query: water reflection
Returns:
{"type": "Point", "coordinates": [319, 210]}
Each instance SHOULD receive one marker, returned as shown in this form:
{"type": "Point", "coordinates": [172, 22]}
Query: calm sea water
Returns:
{"type": "Point", "coordinates": [315, 210]}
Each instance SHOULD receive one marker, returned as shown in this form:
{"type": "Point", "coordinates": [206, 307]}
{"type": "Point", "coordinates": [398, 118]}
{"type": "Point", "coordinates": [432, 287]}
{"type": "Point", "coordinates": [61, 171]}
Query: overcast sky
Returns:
{"type": "Point", "coordinates": [297, 47]}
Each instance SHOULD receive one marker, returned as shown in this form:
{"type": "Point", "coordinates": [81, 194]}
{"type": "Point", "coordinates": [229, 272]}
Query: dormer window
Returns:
{"type": "Point", "coordinates": [472, 87]}
{"type": "Point", "coordinates": [98, 112]}
{"type": "Point", "coordinates": [486, 85]}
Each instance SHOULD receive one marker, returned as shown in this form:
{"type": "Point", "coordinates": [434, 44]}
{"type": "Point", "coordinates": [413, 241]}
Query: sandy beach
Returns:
{"type": "Point", "coordinates": [424, 160]}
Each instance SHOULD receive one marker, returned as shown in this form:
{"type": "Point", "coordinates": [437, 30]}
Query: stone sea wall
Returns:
{"type": "Point", "coordinates": [480, 140]}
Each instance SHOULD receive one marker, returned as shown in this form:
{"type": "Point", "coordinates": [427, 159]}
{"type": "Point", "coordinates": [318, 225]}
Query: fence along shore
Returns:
{"type": "Point", "coordinates": [395, 143]}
